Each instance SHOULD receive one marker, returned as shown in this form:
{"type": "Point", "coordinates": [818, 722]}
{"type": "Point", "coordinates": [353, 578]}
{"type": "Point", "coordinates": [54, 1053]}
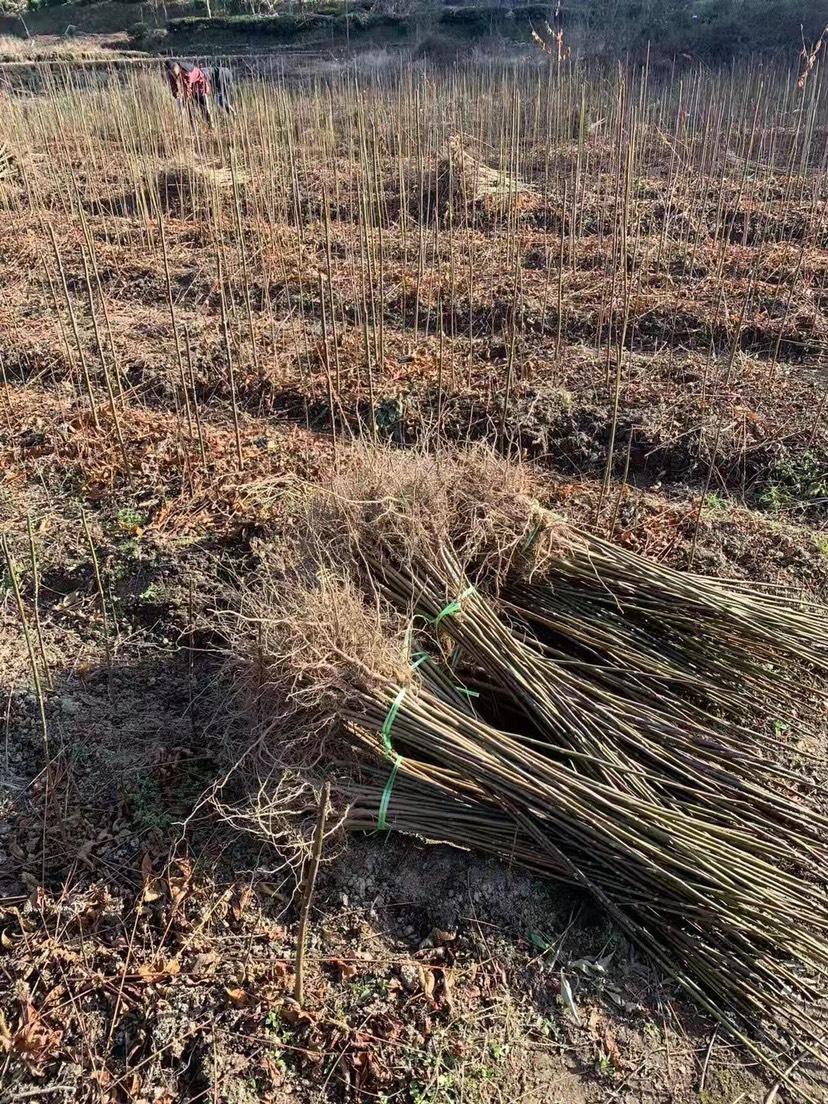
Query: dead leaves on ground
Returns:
{"type": "Point", "coordinates": [179, 945]}
{"type": "Point", "coordinates": [187, 481]}
{"type": "Point", "coordinates": [93, 957]}
{"type": "Point", "coordinates": [603, 1037]}
{"type": "Point", "coordinates": [33, 1038]}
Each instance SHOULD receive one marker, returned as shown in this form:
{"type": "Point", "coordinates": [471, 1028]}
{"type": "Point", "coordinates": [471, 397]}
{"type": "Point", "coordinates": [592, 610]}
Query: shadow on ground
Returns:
{"type": "Point", "coordinates": [148, 956]}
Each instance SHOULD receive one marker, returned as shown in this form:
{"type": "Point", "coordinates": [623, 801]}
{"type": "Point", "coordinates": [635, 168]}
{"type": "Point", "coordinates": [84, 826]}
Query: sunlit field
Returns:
{"type": "Point", "coordinates": [521, 366]}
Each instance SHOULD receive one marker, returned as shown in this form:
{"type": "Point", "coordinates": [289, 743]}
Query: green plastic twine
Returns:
{"type": "Point", "coordinates": [453, 607]}
{"type": "Point", "coordinates": [382, 823]}
{"type": "Point", "coordinates": [389, 720]}
{"type": "Point", "coordinates": [533, 536]}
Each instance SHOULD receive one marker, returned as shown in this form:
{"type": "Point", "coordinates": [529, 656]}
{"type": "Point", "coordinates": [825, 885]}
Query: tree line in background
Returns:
{"type": "Point", "coordinates": [712, 30]}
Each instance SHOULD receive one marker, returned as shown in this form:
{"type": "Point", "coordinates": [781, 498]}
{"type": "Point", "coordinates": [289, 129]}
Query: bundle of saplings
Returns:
{"type": "Point", "coordinates": [467, 667]}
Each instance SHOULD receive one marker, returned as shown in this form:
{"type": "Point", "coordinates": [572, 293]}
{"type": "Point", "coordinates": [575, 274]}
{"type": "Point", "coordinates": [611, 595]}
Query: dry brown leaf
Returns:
{"type": "Point", "coordinates": [440, 937]}
{"type": "Point", "coordinates": [448, 998]}
{"type": "Point", "coordinates": [177, 893]}
{"type": "Point", "coordinates": [185, 869]}
{"type": "Point", "coordinates": [33, 1038]}
{"type": "Point", "coordinates": [611, 1049]}
{"type": "Point", "coordinates": [293, 1014]}
{"type": "Point", "coordinates": [239, 997]}
{"type": "Point", "coordinates": [152, 973]}
{"type": "Point", "coordinates": [427, 980]}
{"type": "Point", "coordinates": [179, 885]}
{"type": "Point", "coordinates": [278, 972]}
{"type": "Point", "coordinates": [204, 964]}
{"type": "Point", "coordinates": [84, 852]}
{"type": "Point", "coordinates": [239, 907]}
{"type": "Point", "coordinates": [347, 970]}
{"type": "Point", "coordinates": [152, 889]}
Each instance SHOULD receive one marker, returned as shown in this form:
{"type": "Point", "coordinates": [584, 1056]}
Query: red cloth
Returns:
{"type": "Point", "coordinates": [196, 83]}
{"type": "Point", "coordinates": [189, 83]}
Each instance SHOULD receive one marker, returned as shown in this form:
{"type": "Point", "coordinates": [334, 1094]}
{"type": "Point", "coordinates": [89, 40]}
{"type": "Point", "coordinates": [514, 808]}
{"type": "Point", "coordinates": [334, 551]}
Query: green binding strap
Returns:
{"type": "Point", "coordinates": [533, 536]}
{"type": "Point", "coordinates": [453, 607]}
{"type": "Point", "coordinates": [382, 823]}
{"type": "Point", "coordinates": [389, 720]}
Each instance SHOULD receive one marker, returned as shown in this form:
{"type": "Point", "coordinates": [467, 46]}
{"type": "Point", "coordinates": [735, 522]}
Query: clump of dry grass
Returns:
{"type": "Point", "coordinates": [188, 189]}
{"type": "Point", "coordinates": [52, 48]}
{"type": "Point", "coordinates": [476, 179]}
{"type": "Point", "coordinates": [485, 509]}
{"type": "Point", "coordinates": [457, 185]}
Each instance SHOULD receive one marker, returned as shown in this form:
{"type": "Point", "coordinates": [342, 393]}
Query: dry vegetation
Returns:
{"type": "Point", "coordinates": [56, 48]}
{"type": "Point", "coordinates": [619, 281]}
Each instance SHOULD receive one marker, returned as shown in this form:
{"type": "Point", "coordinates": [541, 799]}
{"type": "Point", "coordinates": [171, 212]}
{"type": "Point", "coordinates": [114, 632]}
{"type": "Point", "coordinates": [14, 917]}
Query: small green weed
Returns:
{"type": "Point", "coordinates": [605, 1066]}
{"type": "Point", "coordinates": [155, 593]}
{"type": "Point", "coordinates": [548, 1028]}
{"type": "Point", "coordinates": [498, 1050]}
{"type": "Point", "coordinates": [388, 417]}
{"type": "Point", "coordinates": [796, 481]}
{"type": "Point", "coordinates": [716, 503]}
{"type": "Point", "coordinates": [278, 1035]}
{"type": "Point", "coordinates": [131, 520]}
{"type": "Point", "coordinates": [369, 988]}
{"type": "Point", "coordinates": [148, 804]}
{"type": "Point", "coordinates": [121, 565]}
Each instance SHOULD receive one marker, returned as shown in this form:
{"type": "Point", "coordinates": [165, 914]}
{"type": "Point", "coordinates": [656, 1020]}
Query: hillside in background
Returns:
{"type": "Point", "coordinates": [711, 30]}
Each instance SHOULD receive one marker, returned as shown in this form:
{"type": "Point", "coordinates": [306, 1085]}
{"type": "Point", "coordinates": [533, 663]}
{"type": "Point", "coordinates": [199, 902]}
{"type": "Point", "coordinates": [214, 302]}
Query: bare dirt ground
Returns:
{"type": "Point", "coordinates": [146, 947]}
